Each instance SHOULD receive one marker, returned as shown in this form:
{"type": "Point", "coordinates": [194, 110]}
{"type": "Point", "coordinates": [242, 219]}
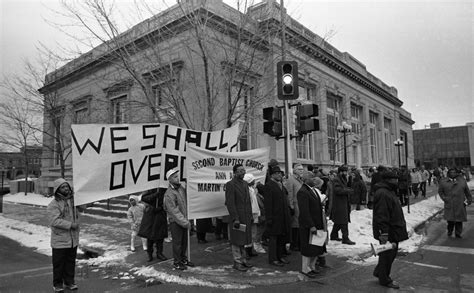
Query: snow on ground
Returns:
{"type": "Point", "coordinates": [360, 231]}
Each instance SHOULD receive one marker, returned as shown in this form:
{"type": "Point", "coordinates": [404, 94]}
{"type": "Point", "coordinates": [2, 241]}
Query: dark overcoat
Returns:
{"type": "Point", "coordinates": [154, 224]}
{"type": "Point", "coordinates": [340, 208]}
{"type": "Point", "coordinates": [277, 209]}
{"type": "Point", "coordinates": [237, 201]}
{"type": "Point", "coordinates": [311, 215]}
{"type": "Point", "coordinates": [387, 214]}
{"type": "Point", "coordinates": [454, 194]}
{"type": "Point", "coordinates": [360, 191]}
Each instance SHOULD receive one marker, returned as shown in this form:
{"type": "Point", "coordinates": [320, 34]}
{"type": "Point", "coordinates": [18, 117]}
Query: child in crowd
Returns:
{"type": "Point", "coordinates": [135, 215]}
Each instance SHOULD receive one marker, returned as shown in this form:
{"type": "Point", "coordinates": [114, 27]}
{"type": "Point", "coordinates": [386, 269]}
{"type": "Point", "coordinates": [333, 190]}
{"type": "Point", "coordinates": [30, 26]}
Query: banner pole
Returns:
{"type": "Point", "coordinates": [190, 226]}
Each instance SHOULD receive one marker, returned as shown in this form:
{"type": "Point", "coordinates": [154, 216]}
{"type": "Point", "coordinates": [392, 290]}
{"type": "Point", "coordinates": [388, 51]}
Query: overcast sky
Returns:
{"type": "Point", "coordinates": [423, 48]}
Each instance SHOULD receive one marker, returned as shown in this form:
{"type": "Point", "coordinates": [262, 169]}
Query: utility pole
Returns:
{"type": "Point", "coordinates": [286, 111]}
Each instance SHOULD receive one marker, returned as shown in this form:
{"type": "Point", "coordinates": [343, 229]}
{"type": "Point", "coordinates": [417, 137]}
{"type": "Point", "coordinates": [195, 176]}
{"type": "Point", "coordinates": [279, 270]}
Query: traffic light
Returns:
{"type": "Point", "coordinates": [305, 123]}
{"type": "Point", "coordinates": [287, 80]}
{"type": "Point", "coordinates": [273, 125]}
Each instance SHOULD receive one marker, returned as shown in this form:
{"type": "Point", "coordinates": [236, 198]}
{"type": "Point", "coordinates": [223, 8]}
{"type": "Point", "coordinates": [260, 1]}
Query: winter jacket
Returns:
{"type": "Point", "coordinates": [135, 214]}
{"type": "Point", "coordinates": [340, 209]}
{"type": "Point", "coordinates": [454, 193]}
{"type": "Point", "coordinates": [154, 225]}
{"type": "Point", "coordinates": [387, 217]}
{"type": "Point", "coordinates": [311, 215]}
{"type": "Point", "coordinates": [360, 191]}
{"type": "Point", "coordinates": [237, 201]}
{"type": "Point", "coordinates": [293, 185]}
{"type": "Point", "coordinates": [62, 213]}
{"type": "Point", "coordinates": [175, 205]}
{"type": "Point", "coordinates": [277, 210]}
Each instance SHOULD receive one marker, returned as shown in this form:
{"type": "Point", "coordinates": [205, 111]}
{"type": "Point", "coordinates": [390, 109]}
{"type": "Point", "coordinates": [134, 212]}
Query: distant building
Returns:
{"type": "Point", "coordinates": [94, 88]}
{"type": "Point", "coordinates": [13, 163]}
{"type": "Point", "coordinates": [447, 146]}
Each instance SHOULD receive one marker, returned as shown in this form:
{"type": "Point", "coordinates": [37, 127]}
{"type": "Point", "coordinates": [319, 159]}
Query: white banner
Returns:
{"type": "Point", "coordinates": [207, 173]}
{"type": "Point", "coordinates": [110, 160]}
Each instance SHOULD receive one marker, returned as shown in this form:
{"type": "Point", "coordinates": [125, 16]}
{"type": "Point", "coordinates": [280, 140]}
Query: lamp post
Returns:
{"type": "Point", "coordinates": [398, 143]}
{"type": "Point", "coordinates": [344, 128]}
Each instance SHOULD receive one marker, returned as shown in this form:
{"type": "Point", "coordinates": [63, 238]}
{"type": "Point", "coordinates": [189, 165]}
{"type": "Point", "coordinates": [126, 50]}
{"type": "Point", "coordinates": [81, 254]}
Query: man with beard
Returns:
{"type": "Point", "coordinates": [238, 203]}
{"type": "Point", "coordinates": [455, 193]}
{"type": "Point", "coordinates": [340, 209]}
{"type": "Point", "coordinates": [388, 224]}
{"type": "Point", "coordinates": [64, 223]}
{"type": "Point", "coordinates": [277, 213]}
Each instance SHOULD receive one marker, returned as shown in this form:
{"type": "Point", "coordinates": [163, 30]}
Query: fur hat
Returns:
{"type": "Point", "coordinates": [58, 183]}
{"type": "Point", "coordinates": [171, 172]}
{"type": "Point", "coordinates": [249, 178]}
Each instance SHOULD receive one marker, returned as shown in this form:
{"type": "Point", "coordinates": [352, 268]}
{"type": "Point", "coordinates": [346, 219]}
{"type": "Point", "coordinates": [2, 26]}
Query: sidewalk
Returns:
{"type": "Point", "coordinates": [214, 259]}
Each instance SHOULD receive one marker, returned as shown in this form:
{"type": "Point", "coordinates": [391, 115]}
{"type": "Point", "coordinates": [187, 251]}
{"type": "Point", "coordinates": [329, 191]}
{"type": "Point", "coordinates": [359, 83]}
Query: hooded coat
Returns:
{"type": "Point", "coordinates": [135, 213]}
{"type": "Point", "coordinates": [454, 193]}
{"type": "Point", "coordinates": [62, 213]}
{"type": "Point", "coordinates": [387, 217]}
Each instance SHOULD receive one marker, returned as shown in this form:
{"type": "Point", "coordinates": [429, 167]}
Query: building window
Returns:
{"type": "Point", "coordinates": [356, 118]}
{"type": "Point", "coordinates": [81, 112]}
{"type": "Point", "coordinates": [119, 111]}
{"type": "Point", "coordinates": [387, 125]}
{"type": "Point", "coordinates": [163, 95]}
{"type": "Point", "coordinates": [333, 118]}
{"type": "Point", "coordinates": [373, 137]}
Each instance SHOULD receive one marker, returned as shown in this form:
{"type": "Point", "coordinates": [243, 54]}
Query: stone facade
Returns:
{"type": "Point", "coordinates": [91, 86]}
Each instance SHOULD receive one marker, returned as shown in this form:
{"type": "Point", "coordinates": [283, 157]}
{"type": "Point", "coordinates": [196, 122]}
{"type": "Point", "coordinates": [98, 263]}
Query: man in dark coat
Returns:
{"type": "Point", "coordinates": [277, 213]}
{"type": "Point", "coordinates": [237, 200]}
{"type": "Point", "coordinates": [388, 224]}
{"type": "Point", "coordinates": [154, 226]}
{"type": "Point", "coordinates": [311, 219]}
{"type": "Point", "coordinates": [340, 209]}
{"type": "Point", "coordinates": [455, 193]}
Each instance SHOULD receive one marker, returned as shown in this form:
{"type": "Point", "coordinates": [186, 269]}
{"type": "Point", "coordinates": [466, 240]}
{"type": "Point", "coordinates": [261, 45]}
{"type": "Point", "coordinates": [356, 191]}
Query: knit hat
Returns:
{"type": "Point", "coordinates": [58, 183]}
{"type": "Point", "coordinates": [171, 172]}
{"type": "Point", "coordinates": [249, 178]}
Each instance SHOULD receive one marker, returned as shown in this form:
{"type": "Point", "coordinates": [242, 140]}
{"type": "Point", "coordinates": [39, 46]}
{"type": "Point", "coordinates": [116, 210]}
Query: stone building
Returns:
{"type": "Point", "coordinates": [208, 66]}
{"type": "Point", "coordinates": [447, 146]}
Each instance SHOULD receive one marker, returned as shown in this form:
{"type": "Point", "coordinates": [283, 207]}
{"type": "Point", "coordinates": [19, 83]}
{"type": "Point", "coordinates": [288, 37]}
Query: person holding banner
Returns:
{"type": "Point", "coordinates": [237, 201]}
{"type": "Point", "coordinates": [277, 213]}
{"type": "Point", "coordinates": [175, 206]}
{"type": "Point", "coordinates": [64, 223]}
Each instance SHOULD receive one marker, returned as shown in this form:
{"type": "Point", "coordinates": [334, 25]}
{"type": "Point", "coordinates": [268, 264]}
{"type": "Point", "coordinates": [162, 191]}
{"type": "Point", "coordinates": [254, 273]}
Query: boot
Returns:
{"type": "Point", "coordinates": [150, 254]}
{"type": "Point", "coordinates": [250, 251]}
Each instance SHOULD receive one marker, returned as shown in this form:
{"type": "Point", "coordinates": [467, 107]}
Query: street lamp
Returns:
{"type": "Point", "coordinates": [344, 128]}
{"type": "Point", "coordinates": [398, 143]}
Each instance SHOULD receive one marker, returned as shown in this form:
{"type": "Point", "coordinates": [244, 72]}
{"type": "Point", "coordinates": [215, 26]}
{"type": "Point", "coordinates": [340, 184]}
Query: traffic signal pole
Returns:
{"type": "Point", "coordinates": [286, 111]}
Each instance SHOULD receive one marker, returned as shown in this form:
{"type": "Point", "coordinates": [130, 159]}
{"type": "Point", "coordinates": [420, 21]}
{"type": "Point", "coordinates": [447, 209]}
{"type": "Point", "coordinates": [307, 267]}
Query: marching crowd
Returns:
{"type": "Point", "coordinates": [281, 213]}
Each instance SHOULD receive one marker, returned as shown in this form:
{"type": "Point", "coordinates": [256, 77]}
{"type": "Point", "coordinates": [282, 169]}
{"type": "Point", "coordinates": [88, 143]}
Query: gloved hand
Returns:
{"type": "Point", "coordinates": [236, 224]}
{"type": "Point", "coordinates": [383, 238]}
{"type": "Point", "coordinates": [313, 230]}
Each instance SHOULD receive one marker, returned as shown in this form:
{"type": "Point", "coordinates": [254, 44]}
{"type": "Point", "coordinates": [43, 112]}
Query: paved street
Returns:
{"type": "Point", "coordinates": [442, 265]}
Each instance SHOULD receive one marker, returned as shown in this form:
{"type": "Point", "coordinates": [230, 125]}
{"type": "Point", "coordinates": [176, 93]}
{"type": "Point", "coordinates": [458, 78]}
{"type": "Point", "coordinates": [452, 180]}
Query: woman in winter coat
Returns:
{"type": "Point", "coordinates": [455, 193]}
{"type": "Point", "coordinates": [64, 223]}
{"type": "Point", "coordinates": [135, 215]}
{"type": "Point", "coordinates": [154, 226]}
